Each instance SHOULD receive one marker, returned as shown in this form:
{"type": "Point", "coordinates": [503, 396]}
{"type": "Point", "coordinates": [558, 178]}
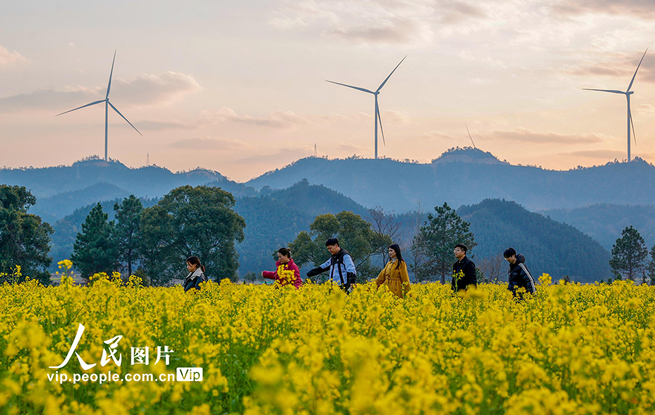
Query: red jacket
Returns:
{"type": "Point", "coordinates": [285, 274]}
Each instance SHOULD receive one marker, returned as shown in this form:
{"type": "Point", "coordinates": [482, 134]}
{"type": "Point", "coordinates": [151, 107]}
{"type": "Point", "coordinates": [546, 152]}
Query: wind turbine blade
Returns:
{"type": "Point", "coordinates": [633, 76]}
{"type": "Point", "coordinates": [394, 70]}
{"type": "Point", "coordinates": [634, 135]}
{"type": "Point", "coordinates": [119, 113]}
{"type": "Point", "coordinates": [110, 74]}
{"type": "Point", "coordinates": [467, 130]}
{"type": "Point", "coordinates": [83, 106]}
{"type": "Point", "coordinates": [353, 87]}
{"type": "Point", "coordinates": [614, 91]}
{"type": "Point", "coordinates": [377, 114]}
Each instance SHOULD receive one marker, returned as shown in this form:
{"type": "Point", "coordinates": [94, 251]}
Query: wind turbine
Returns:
{"type": "Point", "coordinates": [467, 130]}
{"type": "Point", "coordinates": [627, 94]}
{"type": "Point", "coordinates": [107, 105]}
{"type": "Point", "coordinates": [377, 108]}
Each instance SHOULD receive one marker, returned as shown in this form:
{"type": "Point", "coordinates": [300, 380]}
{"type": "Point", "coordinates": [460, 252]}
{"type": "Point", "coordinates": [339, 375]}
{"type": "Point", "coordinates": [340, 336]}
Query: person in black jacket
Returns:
{"type": "Point", "coordinates": [466, 267]}
{"type": "Point", "coordinates": [519, 275]}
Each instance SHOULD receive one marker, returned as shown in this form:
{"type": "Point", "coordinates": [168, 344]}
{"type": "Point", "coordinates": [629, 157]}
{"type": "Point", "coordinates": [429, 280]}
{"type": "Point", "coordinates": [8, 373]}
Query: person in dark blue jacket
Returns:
{"type": "Point", "coordinates": [518, 274]}
{"type": "Point", "coordinates": [196, 274]}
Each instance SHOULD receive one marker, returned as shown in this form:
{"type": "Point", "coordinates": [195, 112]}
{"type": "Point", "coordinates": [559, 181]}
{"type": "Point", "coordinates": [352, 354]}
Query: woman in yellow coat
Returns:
{"type": "Point", "coordinates": [394, 275]}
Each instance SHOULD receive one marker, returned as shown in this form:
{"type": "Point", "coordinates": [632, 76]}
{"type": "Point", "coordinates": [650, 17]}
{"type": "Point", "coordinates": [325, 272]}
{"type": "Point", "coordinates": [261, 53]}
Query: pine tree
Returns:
{"type": "Point", "coordinates": [437, 239]}
{"type": "Point", "coordinates": [629, 254]}
{"type": "Point", "coordinates": [95, 248]}
{"type": "Point", "coordinates": [128, 230]}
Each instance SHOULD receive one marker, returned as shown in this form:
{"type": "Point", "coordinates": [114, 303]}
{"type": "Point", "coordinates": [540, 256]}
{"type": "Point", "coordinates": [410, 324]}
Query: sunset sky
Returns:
{"type": "Point", "coordinates": [239, 86]}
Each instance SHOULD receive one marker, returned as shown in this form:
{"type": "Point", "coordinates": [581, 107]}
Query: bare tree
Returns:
{"type": "Point", "coordinates": [492, 267]}
{"type": "Point", "coordinates": [386, 228]}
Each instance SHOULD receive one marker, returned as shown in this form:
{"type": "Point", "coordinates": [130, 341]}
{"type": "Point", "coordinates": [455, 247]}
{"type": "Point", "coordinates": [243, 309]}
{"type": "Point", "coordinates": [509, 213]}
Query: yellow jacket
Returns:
{"type": "Point", "coordinates": [395, 277]}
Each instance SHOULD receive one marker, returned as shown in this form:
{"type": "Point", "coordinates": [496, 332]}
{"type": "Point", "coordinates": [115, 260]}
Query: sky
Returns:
{"type": "Point", "coordinates": [239, 86]}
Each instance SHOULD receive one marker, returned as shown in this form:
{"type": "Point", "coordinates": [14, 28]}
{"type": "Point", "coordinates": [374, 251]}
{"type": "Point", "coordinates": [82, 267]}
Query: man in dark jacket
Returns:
{"type": "Point", "coordinates": [466, 267]}
{"type": "Point", "coordinates": [519, 275]}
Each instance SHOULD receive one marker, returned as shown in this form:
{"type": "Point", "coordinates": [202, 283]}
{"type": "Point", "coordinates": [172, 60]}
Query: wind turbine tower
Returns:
{"type": "Point", "coordinates": [107, 105]}
{"type": "Point", "coordinates": [627, 94]}
{"type": "Point", "coordinates": [377, 108]}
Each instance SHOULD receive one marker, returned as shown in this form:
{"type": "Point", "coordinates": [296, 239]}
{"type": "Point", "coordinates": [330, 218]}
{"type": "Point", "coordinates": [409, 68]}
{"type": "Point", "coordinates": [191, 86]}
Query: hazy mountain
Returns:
{"type": "Point", "coordinates": [62, 189]}
{"type": "Point", "coordinates": [605, 222]}
{"type": "Point", "coordinates": [143, 181]}
{"type": "Point", "coordinates": [467, 176]}
{"type": "Point", "coordinates": [459, 176]}
{"type": "Point", "coordinates": [56, 207]}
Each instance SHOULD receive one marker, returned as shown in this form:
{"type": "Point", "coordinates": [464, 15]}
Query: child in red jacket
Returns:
{"type": "Point", "coordinates": [287, 272]}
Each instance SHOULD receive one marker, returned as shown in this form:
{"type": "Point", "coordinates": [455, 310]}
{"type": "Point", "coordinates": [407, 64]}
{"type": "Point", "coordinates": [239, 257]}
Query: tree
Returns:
{"type": "Point", "coordinates": [651, 266]}
{"type": "Point", "coordinates": [386, 229]}
{"type": "Point", "coordinates": [128, 230]}
{"type": "Point", "coordinates": [355, 236]}
{"type": "Point", "coordinates": [192, 221]}
{"type": "Point", "coordinates": [95, 249]}
{"type": "Point", "coordinates": [629, 254]}
{"type": "Point", "coordinates": [418, 257]}
{"type": "Point", "coordinates": [492, 267]}
{"type": "Point", "coordinates": [438, 237]}
{"type": "Point", "coordinates": [24, 238]}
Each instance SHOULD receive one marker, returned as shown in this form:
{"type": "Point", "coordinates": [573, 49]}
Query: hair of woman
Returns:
{"type": "Point", "coordinates": [399, 255]}
{"type": "Point", "coordinates": [194, 260]}
{"type": "Point", "coordinates": [285, 251]}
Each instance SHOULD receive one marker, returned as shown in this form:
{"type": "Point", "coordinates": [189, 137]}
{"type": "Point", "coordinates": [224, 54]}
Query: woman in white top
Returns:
{"type": "Point", "coordinates": [196, 274]}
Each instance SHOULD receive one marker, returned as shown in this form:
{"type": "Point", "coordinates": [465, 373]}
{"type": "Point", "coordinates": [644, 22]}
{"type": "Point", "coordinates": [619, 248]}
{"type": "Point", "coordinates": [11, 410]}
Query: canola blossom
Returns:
{"type": "Point", "coordinates": [571, 349]}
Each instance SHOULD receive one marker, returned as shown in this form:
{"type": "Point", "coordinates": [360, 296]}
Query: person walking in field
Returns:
{"type": "Point", "coordinates": [394, 274]}
{"type": "Point", "coordinates": [464, 275]}
{"type": "Point", "coordinates": [340, 266]}
{"type": "Point", "coordinates": [518, 274]}
{"type": "Point", "coordinates": [196, 274]}
{"type": "Point", "coordinates": [287, 272]}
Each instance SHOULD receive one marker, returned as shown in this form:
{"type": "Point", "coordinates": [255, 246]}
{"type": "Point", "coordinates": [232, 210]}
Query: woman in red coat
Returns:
{"type": "Point", "coordinates": [287, 272]}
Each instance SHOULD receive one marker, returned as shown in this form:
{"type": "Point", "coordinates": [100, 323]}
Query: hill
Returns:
{"type": "Point", "coordinates": [605, 222]}
{"type": "Point", "coordinates": [549, 246]}
{"type": "Point", "coordinates": [467, 176]}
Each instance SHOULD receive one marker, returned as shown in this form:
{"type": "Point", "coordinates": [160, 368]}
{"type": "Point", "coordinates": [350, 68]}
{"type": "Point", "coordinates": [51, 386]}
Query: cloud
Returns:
{"type": "Point", "coordinates": [279, 119]}
{"type": "Point", "coordinates": [438, 136]}
{"type": "Point", "coordinates": [283, 155]}
{"type": "Point", "coordinates": [352, 148]}
{"type": "Point", "coordinates": [144, 90]}
{"type": "Point", "coordinates": [209, 143]}
{"type": "Point", "coordinates": [8, 57]}
{"type": "Point", "coordinates": [644, 9]}
{"type": "Point", "coordinates": [598, 154]}
{"type": "Point", "coordinates": [157, 125]}
{"type": "Point", "coordinates": [528, 136]}
{"type": "Point", "coordinates": [148, 89]}
{"type": "Point", "coordinates": [619, 66]}
{"type": "Point", "coordinates": [374, 22]}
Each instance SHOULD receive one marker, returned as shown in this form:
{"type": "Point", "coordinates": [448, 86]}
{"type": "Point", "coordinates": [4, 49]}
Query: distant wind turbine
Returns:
{"type": "Point", "coordinates": [107, 105]}
{"type": "Point", "coordinates": [467, 130]}
{"type": "Point", "coordinates": [627, 94]}
{"type": "Point", "coordinates": [377, 108]}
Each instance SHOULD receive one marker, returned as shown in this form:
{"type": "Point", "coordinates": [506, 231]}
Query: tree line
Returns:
{"type": "Point", "coordinates": [153, 242]}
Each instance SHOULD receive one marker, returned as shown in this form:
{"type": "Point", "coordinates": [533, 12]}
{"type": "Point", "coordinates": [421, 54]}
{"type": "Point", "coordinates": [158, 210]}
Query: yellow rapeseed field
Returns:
{"type": "Point", "coordinates": [572, 349]}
